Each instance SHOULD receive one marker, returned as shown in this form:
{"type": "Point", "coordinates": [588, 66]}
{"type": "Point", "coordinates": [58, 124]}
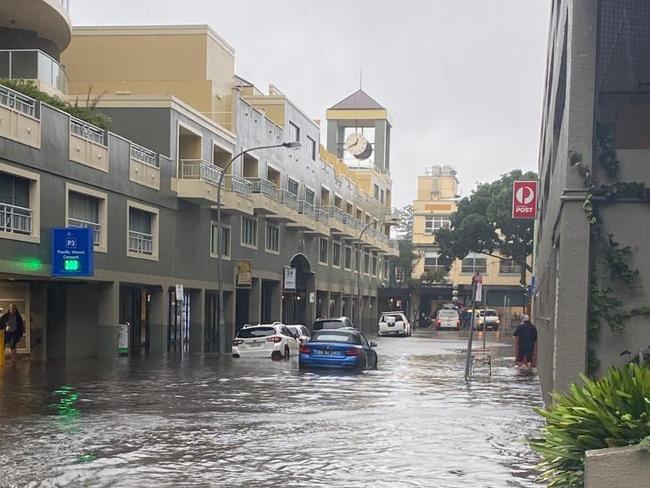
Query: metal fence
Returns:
{"type": "Point", "coordinates": [84, 224]}
{"type": "Point", "coordinates": [17, 101]}
{"type": "Point", "coordinates": [14, 219]}
{"type": "Point", "coordinates": [140, 243]}
{"type": "Point", "coordinates": [144, 155]}
{"type": "Point", "coordinates": [87, 131]}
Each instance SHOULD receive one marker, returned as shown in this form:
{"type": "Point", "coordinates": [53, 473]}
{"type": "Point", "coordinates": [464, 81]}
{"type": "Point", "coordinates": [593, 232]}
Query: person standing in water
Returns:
{"type": "Point", "coordinates": [526, 336]}
{"type": "Point", "coordinates": [14, 326]}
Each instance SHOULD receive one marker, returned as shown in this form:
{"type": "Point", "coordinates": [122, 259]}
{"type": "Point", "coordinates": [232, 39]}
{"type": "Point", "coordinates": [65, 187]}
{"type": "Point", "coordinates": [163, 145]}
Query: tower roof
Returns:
{"type": "Point", "coordinates": [359, 100]}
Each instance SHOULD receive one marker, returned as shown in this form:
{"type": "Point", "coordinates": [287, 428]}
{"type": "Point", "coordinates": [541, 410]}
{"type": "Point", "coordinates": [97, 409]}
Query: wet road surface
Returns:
{"type": "Point", "coordinates": [214, 421]}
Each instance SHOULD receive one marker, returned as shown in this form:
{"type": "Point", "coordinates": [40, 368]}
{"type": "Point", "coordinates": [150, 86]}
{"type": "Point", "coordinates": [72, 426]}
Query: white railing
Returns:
{"type": "Point", "coordinates": [239, 185]}
{"type": "Point", "coordinates": [17, 101]}
{"type": "Point", "coordinates": [84, 224]}
{"type": "Point", "coordinates": [336, 213]}
{"type": "Point", "coordinates": [307, 209]}
{"type": "Point", "coordinates": [144, 155]}
{"type": "Point", "coordinates": [265, 187]}
{"type": "Point", "coordinates": [289, 199]}
{"type": "Point", "coordinates": [140, 243]}
{"type": "Point", "coordinates": [197, 169]}
{"type": "Point", "coordinates": [87, 131]}
{"type": "Point", "coordinates": [14, 219]}
{"type": "Point", "coordinates": [322, 216]}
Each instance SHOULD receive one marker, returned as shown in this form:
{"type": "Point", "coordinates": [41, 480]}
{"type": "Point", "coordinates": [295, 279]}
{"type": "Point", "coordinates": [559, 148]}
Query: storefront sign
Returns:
{"type": "Point", "coordinates": [72, 252]}
{"type": "Point", "coordinates": [524, 199]}
{"type": "Point", "coordinates": [123, 339]}
{"type": "Point", "coordinates": [478, 284]}
{"type": "Point", "coordinates": [243, 273]}
{"type": "Point", "coordinates": [290, 279]}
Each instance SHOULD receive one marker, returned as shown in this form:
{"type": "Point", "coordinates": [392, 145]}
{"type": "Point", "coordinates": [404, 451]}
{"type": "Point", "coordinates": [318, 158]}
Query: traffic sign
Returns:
{"type": "Point", "coordinates": [525, 195]}
{"type": "Point", "coordinates": [72, 252]}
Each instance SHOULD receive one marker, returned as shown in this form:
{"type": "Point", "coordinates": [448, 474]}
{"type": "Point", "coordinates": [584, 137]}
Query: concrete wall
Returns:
{"type": "Point", "coordinates": [624, 467]}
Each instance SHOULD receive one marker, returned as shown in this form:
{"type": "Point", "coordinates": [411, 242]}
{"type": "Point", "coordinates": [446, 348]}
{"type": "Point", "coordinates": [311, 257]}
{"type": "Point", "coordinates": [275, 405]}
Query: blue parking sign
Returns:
{"type": "Point", "coordinates": [72, 252]}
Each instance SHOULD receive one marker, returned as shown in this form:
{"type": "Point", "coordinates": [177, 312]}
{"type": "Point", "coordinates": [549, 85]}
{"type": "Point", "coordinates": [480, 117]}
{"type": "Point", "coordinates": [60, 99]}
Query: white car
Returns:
{"type": "Point", "coordinates": [394, 323]}
{"type": "Point", "coordinates": [273, 341]}
{"type": "Point", "coordinates": [489, 317]}
{"type": "Point", "coordinates": [448, 318]}
{"type": "Point", "coordinates": [300, 332]}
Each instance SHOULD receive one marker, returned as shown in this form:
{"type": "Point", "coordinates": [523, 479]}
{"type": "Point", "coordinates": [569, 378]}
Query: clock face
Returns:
{"type": "Point", "coordinates": [356, 144]}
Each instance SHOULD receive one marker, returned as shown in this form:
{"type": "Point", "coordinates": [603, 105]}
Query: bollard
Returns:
{"type": "Point", "coordinates": [2, 344]}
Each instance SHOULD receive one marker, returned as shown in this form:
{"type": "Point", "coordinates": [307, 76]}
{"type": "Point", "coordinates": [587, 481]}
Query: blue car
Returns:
{"type": "Point", "coordinates": [338, 349]}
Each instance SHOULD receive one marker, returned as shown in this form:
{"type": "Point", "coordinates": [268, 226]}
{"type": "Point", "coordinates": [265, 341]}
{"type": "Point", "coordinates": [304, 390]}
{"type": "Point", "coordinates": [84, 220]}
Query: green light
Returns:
{"type": "Point", "coordinates": [31, 264]}
{"type": "Point", "coordinates": [71, 265]}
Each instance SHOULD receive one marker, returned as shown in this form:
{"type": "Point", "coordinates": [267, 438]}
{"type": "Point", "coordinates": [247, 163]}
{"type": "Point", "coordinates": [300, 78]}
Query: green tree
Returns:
{"type": "Point", "coordinates": [483, 223]}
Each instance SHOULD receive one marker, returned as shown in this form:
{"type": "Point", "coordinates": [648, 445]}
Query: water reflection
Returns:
{"type": "Point", "coordinates": [211, 421]}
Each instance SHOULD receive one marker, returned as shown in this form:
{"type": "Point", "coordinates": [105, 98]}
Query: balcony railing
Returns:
{"type": "Point", "coordinates": [87, 131]}
{"type": "Point", "coordinates": [322, 216]}
{"type": "Point", "coordinates": [337, 214]}
{"type": "Point", "coordinates": [32, 64]}
{"type": "Point", "coordinates": [265, 187]}
{"type": "Point", "coordinates": [197, 169]}
{"type": "Point", "coordinates": [84, 224]}
{"type": "Point", "coordinates": [239, 185]}
{"type": "Point", "coordinates": [140, 243]}
{"type": "Point", "coordinates": [307, 209]}
{"type": "Point", "coordinates": [289, 199]}
{"type": "Point", "coordinates": [17, 101]}
{"type": "Point", "coordinates": [14, 219]}
{"type": "Point", "coordinates": [144, 155]}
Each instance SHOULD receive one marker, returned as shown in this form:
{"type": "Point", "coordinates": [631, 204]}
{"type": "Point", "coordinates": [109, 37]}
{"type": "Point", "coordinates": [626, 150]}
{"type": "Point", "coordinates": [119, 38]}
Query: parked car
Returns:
{"type": "Point", "coordinates": [300, 332]}
{"type": "Point", "coordinates": [448, 318]}
{"type": "Point", "coordinates": [333, 323]}
{"type": "Point", "coordinates": [488, 316]}
{"type": "Point", "coordinates": [339, 349]}
{"type": "Point", "coordinates": [271, 340]}
{"type": "Point", "coordinates": [394, 323]}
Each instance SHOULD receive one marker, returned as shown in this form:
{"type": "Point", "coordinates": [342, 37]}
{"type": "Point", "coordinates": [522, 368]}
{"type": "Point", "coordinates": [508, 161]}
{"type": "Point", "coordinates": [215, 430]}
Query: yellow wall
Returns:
{"type": "Point", "coordinates": [336, 114]}
{"type": "Point", "coordinates": [273, 106]}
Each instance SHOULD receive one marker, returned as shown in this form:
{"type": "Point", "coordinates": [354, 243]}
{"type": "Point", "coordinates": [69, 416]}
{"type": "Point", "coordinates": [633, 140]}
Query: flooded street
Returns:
{"type": "Point", "coordinates": [214, 421]}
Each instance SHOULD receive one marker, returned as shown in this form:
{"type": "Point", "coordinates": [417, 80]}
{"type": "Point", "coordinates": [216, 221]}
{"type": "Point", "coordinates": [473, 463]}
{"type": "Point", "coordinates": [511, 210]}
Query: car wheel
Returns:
{"type": "Point", "coordinates": [287, 354]}
{"type": "Point", "coordinates": [235, 355]}
{"type": "Point", "coordinates": [276, 355]}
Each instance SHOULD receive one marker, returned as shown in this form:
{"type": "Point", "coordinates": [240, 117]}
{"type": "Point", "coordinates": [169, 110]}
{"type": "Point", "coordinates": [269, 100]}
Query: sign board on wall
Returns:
{"type": "Point", "coordinates": [72, 252]}
{"type": "Point", "coordinates": [243, 273]}
{"type": "Point", "coordinates": [290, 279]}
{"type": "Point", "coordinates": [525, 195]}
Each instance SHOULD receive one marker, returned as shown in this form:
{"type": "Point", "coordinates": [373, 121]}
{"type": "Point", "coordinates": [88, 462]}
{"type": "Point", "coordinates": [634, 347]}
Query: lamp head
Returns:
{"type": "Point", "coordinates": [292, 145]}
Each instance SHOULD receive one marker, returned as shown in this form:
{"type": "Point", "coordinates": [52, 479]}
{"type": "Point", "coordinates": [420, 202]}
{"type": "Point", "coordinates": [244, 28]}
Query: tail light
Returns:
{"type": "Point", "coordinates": [274, 339]}
{"type": "Point", "coordinates": [353, 351]}
{"type": "Point", "coordinates": [458, 322]}
{"type": "Point", "coordinates": [305, 349]}
{"type": "Point", "coordinates": [237, 342]}
{"type": "Point", "coordinates": [438, 321]}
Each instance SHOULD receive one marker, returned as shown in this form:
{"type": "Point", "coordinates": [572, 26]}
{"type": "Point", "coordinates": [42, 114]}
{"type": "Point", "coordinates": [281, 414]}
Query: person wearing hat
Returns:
{"type": "Point", "coordinates": [526, 337]}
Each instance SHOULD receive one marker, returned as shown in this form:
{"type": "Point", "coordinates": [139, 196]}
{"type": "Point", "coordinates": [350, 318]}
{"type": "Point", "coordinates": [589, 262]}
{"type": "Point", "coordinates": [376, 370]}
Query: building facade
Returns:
{"type": "Point", "coordinates": [591, 243]}
{"type": "Point", "coordinates": [147, 187]}
{"type": "Point", "coordinates": [437, 196]}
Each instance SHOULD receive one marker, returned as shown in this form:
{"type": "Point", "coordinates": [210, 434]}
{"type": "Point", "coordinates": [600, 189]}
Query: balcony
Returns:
{"type": "Point", "coordinates": [83, 224]}
{"type": "Point", "coordinates": [19, 120]}
{"type": "Point", "coordinates": [337, 218]}
{"type": "Point", "coordinates": [144, 167]}
{"type": "Point", "coordinates": [15, 220]}
{"type": "Point", "coordinates": [266, 199]}
{"type": "Point", "coordinates": [88, 145]}
{"type": "Point", "coordinates": [311, 220]}
{"type": "Point", "coordinates": [198, 183]}
{"type": "Point", "coordinates": [140, 243]}
{"type": "Point", "coordinates": [32, 64]}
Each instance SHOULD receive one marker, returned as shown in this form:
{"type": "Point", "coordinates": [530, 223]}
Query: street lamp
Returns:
{"type": "Point", "coordinates": [221, 318]}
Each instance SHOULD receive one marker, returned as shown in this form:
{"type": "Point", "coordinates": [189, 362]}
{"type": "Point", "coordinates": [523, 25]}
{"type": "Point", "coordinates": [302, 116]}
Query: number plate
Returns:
{"type": "Point", "coordinates": [256, 344]}
{"type": "Point", "coordinates": [326, 353]}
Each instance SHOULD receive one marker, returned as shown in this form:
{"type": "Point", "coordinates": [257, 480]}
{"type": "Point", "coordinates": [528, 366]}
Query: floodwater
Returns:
{"type": "Point", "coordinates": [215, 421]}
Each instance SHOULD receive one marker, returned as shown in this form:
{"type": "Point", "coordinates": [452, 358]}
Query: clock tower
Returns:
{"type": "Point", "coordinates": [358, 132]}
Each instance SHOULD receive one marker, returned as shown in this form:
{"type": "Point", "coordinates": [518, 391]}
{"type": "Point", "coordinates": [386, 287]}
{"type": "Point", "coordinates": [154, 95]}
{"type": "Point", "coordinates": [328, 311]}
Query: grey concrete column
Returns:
{"type": "Point", "coordinates": [229, 314]}
{"type": "Point", "coordinates": [276, 301]}
{"type": "Point", "coordinates": [108, 316]}
{"type": "Point", "coordinates": [197, 321]}
{"type": "Point", "coordinates": [158, 321]}
{"type": "Point", "coordinates": [255, 302]}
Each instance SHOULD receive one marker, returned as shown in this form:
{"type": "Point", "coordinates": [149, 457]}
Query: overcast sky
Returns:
{"type": "Point", "coordinates": [463, 79]}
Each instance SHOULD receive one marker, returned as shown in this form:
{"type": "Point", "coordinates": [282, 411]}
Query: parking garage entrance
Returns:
{"type": "Point", "coordinates": [296, 304]}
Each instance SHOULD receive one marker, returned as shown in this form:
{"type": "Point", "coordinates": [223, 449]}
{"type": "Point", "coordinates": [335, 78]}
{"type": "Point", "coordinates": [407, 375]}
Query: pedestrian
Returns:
{"type": "Point", "coordinates": [526, 342]}
{"type": "Point", "coordinates": [14, 327]}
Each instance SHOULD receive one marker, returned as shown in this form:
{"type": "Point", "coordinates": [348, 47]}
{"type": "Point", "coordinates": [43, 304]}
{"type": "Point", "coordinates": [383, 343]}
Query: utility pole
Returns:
{"type": "Point", "coordinates": [477, 288]}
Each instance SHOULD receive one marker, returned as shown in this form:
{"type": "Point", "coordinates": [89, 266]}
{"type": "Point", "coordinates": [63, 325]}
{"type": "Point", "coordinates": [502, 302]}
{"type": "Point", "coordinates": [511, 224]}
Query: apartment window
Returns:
{"type": "Point", "coordinates": [311, 146]}
{"type": "Point", "coordinates": [294, 132]}
{"type": "Point", "coordinates": [376, 192]}
{"type": "Point", "coordinates": [15, 211]}
{"type": "Point", "coordinates": [248, 232]}
{"type": "Point", "coordinates": [508, 266]}
{"type": "Point", "coordinates": [433, 223]}
{"type": "Point", "coordinates": [143, 231]}
{"type": "Point", "coordinates": [336, 254]}
{"type": "Point", "coordinates": [310, 196]}
{"type": "Point", "coordinates": [474, 263]}
{"type": "Point", "coordinates": [431, 264]}
{"type": "Point", "coordinates": [87, 209]}
{"type": "Point", "coordinates": [293, 186]}
{"type": "Point", "coordinates": [381, 196]}
{"type": "Point", "coordinates": [272, 238]}
{"type": "Point", "coordinates": [348, 258]}
{"type": "Point", "coordinates": [322, 250]}
{"type": "Point", "coordinates": [386, 269]}
{"type": "Point", "coordinates": [366, 262]}
{"type": "Point", "coordinates": [225, 241]}
{"type": "Point", "coordinates": [374, 264]}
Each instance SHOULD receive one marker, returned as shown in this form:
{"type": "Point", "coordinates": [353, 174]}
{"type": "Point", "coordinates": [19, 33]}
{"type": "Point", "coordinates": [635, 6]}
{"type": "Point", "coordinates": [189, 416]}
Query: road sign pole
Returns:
{"type": "Point", "coordinates": [468, 360]}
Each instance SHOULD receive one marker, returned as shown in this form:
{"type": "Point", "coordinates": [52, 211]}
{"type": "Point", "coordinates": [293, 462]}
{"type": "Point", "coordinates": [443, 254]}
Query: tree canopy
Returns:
{"type": "Point", "coordinates": [483, 223]}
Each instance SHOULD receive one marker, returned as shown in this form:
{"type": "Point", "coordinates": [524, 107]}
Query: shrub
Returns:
{"type": "Point", "coordinates": [612, 411]}
{"type": "Point", "coordinates": [87, 113]}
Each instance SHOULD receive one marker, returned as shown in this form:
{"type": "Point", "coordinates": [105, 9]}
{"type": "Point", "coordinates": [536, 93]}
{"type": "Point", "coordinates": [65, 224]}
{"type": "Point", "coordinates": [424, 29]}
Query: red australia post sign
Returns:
{"type": "Point", "coordinates": [525, 194]}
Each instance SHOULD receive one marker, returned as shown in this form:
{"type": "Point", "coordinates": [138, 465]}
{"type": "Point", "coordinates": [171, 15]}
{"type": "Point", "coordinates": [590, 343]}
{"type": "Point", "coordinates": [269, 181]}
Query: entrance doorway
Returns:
{"type": "Point", "coordinates": [295, 304]}
{"type": "Point", "coordinates": [135, 310]}
{"type": "Point", "coordinates": [178, 330]}
{"type": "Point", "coordinates": [242, 308]}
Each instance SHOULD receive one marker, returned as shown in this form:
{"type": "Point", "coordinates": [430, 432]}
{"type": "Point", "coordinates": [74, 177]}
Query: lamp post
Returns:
{"type": "Point", "coordinates": [220, 312]}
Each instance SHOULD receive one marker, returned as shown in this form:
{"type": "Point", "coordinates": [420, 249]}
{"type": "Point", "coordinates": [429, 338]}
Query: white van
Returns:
{"type": "Point", "coordinates": [394, 323]}
{"type": "Point", "coordinates": [448, 318]}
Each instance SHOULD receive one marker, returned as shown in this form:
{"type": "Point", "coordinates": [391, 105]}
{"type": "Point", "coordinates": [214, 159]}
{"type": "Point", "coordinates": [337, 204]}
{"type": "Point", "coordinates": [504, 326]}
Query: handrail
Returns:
{"type": "Point", "coordinates": [322, 216]}
{"type": "Point", "coordinates": [17, 101]}
{"type": "Point", "coordinates": [140, 242]}
{"type": "Point", "coordinates": [264, 186]}
{"type": "Point", "coordinates": [87, 131]}
{"type": "Point", "coordinates": [15, 219]}
{"type": "Point", "coordinates": [307, 209]}
{"type": "Point", "coordinates": [85, 224]}
{"type": "Point", "coordinates": [198, 169]}
{"type": "Point", "coordinates": [289, 199]}
{"type": "Point", "coordinates": [144, 155]}
{"type": "Point", "coordinates": [337, 213]}
{"type": "Point", "coordinates": [238, 185]}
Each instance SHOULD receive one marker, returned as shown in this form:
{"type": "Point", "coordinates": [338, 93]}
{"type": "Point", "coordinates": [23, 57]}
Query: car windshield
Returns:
{"type": "Point", "coordinates": [396, 316]}
{"type": "Point", "coordinates": [488, 313]}
{"type": "Point", "coordinates": [251, 332]}
{"type": "Point", "coordinates": [447, 314]}
{"type": "Point", "coordinates": [328, 336]}
{"type": "Point", "coordinates": [330, 324]}
{"type": "Point", "coordinates": [296, 329]}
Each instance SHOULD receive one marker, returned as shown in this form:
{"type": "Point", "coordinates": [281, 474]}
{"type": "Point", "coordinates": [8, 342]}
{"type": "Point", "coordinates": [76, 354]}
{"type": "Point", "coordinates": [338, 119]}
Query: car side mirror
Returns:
{"type": "Point", "coordinates": [373, 344]}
